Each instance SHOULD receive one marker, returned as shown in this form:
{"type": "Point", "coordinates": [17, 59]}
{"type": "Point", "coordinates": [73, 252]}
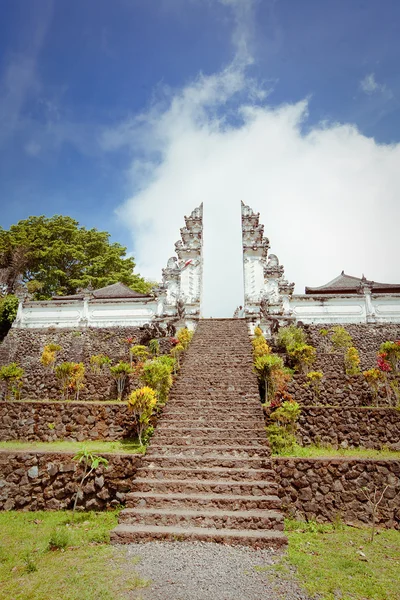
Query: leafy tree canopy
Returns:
{"type": "Point", "coordinates": [55, 256]}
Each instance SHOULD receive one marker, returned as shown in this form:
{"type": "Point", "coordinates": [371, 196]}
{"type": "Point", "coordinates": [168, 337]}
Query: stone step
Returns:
{"type": "Point", "coordinates": [178, 486]}
{"type": "Point", "coordinates": [211, 451]}
{"type": "Point", "coordinates": [202, 441]}
{"type": "Point", "coordinates": [193, 462]}
{"type": "Point", "coordinates": [205, 473]}
{"type": "Point", "coordinates": [127, 534]}
{"type": "Point", "coordinates": [235, 430]}
{"type": "Point", "coordinates": [199, 501]}
{"type": "Point", "coordinates": [227, 421]}
{"type": "Point", "coordinates": [218, 519]}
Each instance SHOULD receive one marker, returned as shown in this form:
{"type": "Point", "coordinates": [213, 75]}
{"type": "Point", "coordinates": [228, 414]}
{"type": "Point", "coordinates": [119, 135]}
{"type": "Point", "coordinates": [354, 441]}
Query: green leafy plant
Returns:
{"type": "Point", "coordinates": [90, 463]}
{"type": "Point", "coordinates": [374, 378]}
{"type": "Point", "coordinates": [281, 433]}
{"type": "Point", "coordinates": [138, 353]}
{"type": "Point", "coordinates": [154, 347]}
{"type": "Point", "coordinates": [120, 372]}
{"type": "Point", "coordinates": [98, 362]}
{"type": "Point", "coordinates": [71, 376]}
{"type": "Point", "coordinates": [59, 540]}
{"type": "Point", "coordinates": [260, 347]}
{"type": "Point", "coordinates": [313, 381]}
{"type": "Point", "coordinates": [157, 374]}
{"type": "Point", "coordinates": [265, 368]}
{"type": "Point", "coordinates": [176, 353]}
{"type": "Point", "coordinates": [352, 361]}
{"type": "Point", "coordinates": [302, 355]}
{"type": "Point", "coordinates": [12, 376]}
{"type": "Point", "coordinates": [49, 355]}
{"type": "Point", "coordinates": [290, 336]}
{"type": "Point", "coordinates": [340, 338]}
{"type": "Point", "coordinates": [184, 337]}
{"type": "Point", "coordinates": [8, 312]}
{"type": "Point", "coordinates": [141, 403]}
{"type": "Point", "coordinates": [392, 351]}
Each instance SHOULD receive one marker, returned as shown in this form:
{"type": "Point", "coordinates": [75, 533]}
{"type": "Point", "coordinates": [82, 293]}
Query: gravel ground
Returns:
{"type": "Point", "coordinates": [207, 571]}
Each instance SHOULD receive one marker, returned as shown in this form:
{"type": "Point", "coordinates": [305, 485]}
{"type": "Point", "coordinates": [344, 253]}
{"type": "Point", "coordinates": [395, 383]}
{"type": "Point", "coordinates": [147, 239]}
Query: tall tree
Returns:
{"type": "Point", "coordinates": [55, 256]}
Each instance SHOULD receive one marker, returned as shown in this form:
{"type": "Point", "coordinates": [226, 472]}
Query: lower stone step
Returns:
{"type": "Point", "coordinates": [178, 486]}
{"type": "Point", "coordinates": [218, 519]}
{"type": "Point", "coordinates": [127, 534]}
{"type": "Point", "coordinates": [198, 501]}
{"type": "Point", "coordinates": [201, 474]}
{"type": "Point", "coordinates": [195, 462]}
{"type": "Point", "coordinates": [210, 451]}
{"type": "Point", "coordinates": [211, 432]}
{"type": "Point", "coordinates": [220, 440]}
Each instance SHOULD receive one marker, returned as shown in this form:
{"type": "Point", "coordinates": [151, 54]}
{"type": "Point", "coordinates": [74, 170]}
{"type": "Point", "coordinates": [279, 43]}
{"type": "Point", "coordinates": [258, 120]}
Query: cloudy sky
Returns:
{"type": "Point", "coordinates": [127, 114]}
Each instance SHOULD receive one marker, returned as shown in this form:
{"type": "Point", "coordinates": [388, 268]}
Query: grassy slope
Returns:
{"type": "Point", "coordinates": [87, 569]}
{"type": "Point", "coordinates": [97, 446]}
{"type": "Point", "coordinates": [329, 564]}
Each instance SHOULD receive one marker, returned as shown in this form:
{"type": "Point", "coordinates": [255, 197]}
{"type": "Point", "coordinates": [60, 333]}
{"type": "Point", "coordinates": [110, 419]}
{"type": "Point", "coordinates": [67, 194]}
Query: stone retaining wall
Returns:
{"type": "Point", "coordinates": [49, 481]}
{"type": "Point", "coordinates": [25, 346]}
{"type": "Point", "coordinates": [72, 421]}
{"type": "Point", "coordinates": [348, 427]}
{"type": "Point", "coordinates": [327, 488]}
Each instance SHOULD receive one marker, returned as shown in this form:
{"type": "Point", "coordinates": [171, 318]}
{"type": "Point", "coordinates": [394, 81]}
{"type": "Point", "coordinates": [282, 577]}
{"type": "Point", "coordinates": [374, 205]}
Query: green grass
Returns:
{"type": "Point", "coordinates": [81, 565]}
{"type": "Point", "coordinates": [121, 446]}
{"type": "Point", "coordinates": [329, 565]}
{"type": "Point", "coordinates": [330, 452]}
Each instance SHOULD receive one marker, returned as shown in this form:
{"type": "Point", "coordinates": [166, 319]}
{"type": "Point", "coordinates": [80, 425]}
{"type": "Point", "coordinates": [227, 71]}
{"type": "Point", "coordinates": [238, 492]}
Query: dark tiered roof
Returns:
{"type": "Point", "coordinates": [347, 284]}
{"type": "Point", "coordinates": [109, 292]}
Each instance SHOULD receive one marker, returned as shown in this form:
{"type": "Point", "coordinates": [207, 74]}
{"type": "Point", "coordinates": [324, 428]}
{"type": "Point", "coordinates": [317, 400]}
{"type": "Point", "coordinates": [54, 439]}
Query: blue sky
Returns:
{"type": "Point", "coordinates": [85, 87]}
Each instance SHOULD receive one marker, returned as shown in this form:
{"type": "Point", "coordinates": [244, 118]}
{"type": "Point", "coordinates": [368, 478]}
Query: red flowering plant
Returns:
{"type": "Point", "coordinates": [174, 341]}
{"type": "Point", "coordinates": [382, 362]}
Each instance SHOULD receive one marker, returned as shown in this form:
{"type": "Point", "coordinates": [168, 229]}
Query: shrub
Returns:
{"type": "Point", "coordinates": [290, 336]}
{"type": "Point", "coordinates": [78, 375]}
{"type": "Point", "coordinates": [154, 347]}
{"type": "Point", "coordinates": [8, 312]}
{"type": "Point", "coordinates": [90, 462]}
{"type": "Point", "coordinates": [265, 366]}
{"type": "Point", "coordinates": [281, 434]}
{"type": "Point", "coordinates": [156, 374]}
{"type": "Point", "coordinates": [314, 379]}
{"type": "Point", "coordinates": [258, 332]}
{"type": "Point", "coordinates": [138, 354]}
{"type": "Point", "coordinates": [303, 356]}
{"type": "Point", "coordinates": [98, 362]}
{"type": "Point", "coordinates": [49, 355]}
{"type": "Point", "coordinates": [340, 338]}
{"type": "Point", "coordinates": [392, 352]}
{"type": "Point", "coordinates": [176, 353]}
{"type": "Point", "coordinates": [141, 403]}
{"type": "Point", "coordinates": [71, 376]}
{"type": "Point", "coordinates": [119, 373]}
{"type": "Point", "coordinates": [374, 378]}
{"type": "Point", "coordinates": [184, 337]}
{"type": "Point", "coordinates": [12, 375]}
{"type": "Point", "coordinates": [260, 347]}
{"type": "Point", "coordinates": [352, 361]}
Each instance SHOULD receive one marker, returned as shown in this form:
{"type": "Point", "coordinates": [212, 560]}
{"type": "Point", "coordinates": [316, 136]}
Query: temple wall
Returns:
{"type": "Point", "coordinates": [345, 309]}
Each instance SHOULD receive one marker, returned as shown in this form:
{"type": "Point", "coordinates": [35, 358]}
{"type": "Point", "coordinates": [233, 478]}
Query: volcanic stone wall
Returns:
{"type": "Point", "coordinates": [49, 481]}
{"type": "Point", "coordinates": [325, 489]}
{"type": "Point", "coordinates": [25, 346]}
{"type": "Point", "coordinates": [71, 421]}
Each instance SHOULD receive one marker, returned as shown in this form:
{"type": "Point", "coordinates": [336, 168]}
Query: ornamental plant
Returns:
{"type": "Point", "coordinates": [77, 378]}
{"type": "Point", "coordinates": [352, 361]}
{"type": "Point", "coordinates": [184, 337]}
{"type": "Point", "coordinates": [12, 376]}
{"type": "Point", "coordinates": [141, 403]}
{"type": "Point", "coordinates": [258, 332]}
{"type": "Point", "coordinates": [98, 362]}
{"type": "Point", "coordinates": [392, 352]}
{"type": "Point", "coordinates": [119, 373]}
{"type": "Point", "coordinates": [176, 353]}
{"type": "Point", "coordinates": [313, 381]}
{"type": "Point", "coordinates": [157, 374]}
{"type": "Point", "coordinates": [49, 356]}
{"type": "Point", "coordinates": [374, 378]}
{"type": "Point", "coordinates": [90, 463]}
{"type": "Point", "coordinates": [266, 367]}
{"type": "Point", "coordinates": [340, 338]}
{"type": "Point", "coordinates": [302, 355]}
{"type": "Point", "coordinates": [64, 372]}
{"type": "Point", "coordinates": [260, 347]}
{"type": "Point", "coordinates": [154, 347]}
{"type": "Point", "coordinates": [290, 336]}
{"type": "Point", "coordinates": [138, 354]}
{"type": "Point", "coordinates": [282, 432]}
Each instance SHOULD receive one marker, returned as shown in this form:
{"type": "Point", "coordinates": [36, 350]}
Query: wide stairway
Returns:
{"type": "Point", "coordinates": [207, 473]}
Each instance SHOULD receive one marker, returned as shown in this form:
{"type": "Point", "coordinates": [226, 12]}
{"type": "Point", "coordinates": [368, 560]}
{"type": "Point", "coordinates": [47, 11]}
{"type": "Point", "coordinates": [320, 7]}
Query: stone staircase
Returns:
{"type": "Point", "coordinates": [207, 473]}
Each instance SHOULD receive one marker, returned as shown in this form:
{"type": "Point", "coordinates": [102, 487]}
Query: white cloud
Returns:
{"type": "Point", "coordinates": [328, 197]}
{"type": "Point", "coordinates": [369, 85]}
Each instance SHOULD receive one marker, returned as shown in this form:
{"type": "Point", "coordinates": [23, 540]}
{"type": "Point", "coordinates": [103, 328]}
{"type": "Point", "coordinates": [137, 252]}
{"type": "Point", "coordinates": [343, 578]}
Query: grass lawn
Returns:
{"type": "Point", "coordinates": [329, 452]}
{"type": "Point", "coordinates": [339, 562]}
{"type": "Point", "coordinates": [121, 446]}
{"type": "Point", "coordinates": [47, 556]}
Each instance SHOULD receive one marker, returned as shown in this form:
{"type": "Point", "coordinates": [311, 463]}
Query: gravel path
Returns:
{"type": "Point", "coordinates": [207, 571]}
